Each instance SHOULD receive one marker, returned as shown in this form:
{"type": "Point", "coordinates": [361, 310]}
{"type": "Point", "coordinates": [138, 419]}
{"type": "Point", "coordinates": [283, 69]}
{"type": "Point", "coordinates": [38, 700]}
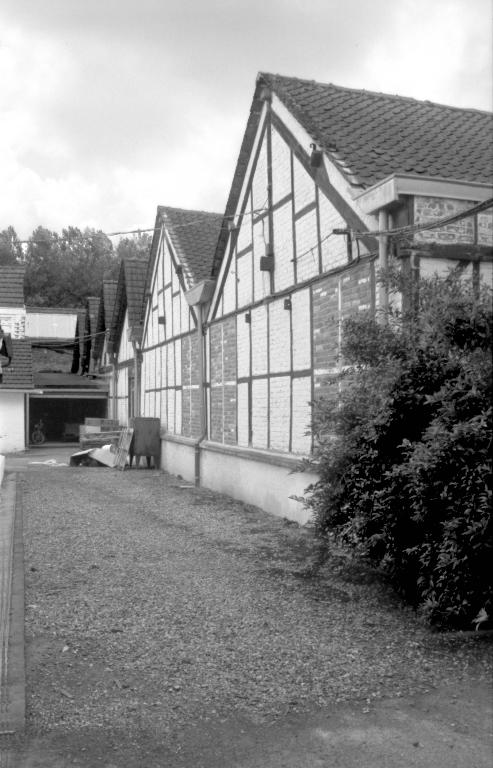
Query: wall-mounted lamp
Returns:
{"type": "Point", "coordinates": [162, 319]}
{"type": "Point", "coordinates": [248, 317]}
{"type": "Point", "coordinates": [267, 261]}
{"type": "Point", "coordinates": [287, 303]}
{"type": "Point", "coordinates": [179, 269]}
{"type": "Point", "coordinates": [316, 156]}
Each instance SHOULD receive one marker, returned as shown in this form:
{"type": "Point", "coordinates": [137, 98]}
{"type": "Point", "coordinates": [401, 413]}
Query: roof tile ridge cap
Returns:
{"type": "Point", "coordinates": [397, 96]}
{"type": "Point", "coordinates": [193, 211]}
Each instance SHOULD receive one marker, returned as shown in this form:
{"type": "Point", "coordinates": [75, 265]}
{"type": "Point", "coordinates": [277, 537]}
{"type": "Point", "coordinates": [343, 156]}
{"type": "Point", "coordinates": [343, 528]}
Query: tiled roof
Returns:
{"type": "Point", "coordinates": [108, 302]}
{"type": "Point", "coordinates": [135, 278]}
{"type": "Point", "coordinates": [80, 329]}
{"type": "Point", "coordinates": [130, 296]}
{"type": "Point", "coordinates": [372, 135]}
{"type": "Point", "coordinates": [194, 236]}
{"type": "Point", "coordinates": [105, 315]}
{"type": "Point", "coordinates": [12, 285]}
{"type": "Point", "coordinates": [55, 380]}
{"type": "Point", "coordinates": [19, 374]}
{"type": "Point", "coordinates": [92, 312]}
{"type": "Point", "coordinates": [51, 310]}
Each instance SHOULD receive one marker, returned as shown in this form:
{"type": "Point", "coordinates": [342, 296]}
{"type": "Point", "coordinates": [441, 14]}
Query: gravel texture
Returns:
{"type": "Point", "coordinates": [153, 605]}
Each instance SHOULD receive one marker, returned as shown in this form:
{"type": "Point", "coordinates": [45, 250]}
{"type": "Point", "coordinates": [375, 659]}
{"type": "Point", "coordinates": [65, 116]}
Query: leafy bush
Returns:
{"type": "Point", "coordinates": [403, 450]}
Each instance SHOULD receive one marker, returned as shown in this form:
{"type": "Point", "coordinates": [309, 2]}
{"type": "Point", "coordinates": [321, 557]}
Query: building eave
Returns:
{"type": "Point", "coordinates": [388, 191]}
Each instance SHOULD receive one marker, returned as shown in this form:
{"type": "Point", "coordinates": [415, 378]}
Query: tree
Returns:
{"type": "Point", "coordinates": [10, 247]}
{"type": "Point", "coordinates": [135, 247]}
{"type": "Point", "coordinates": [404, 459]}
{"type": "Point", "coordinates": [63, 270]}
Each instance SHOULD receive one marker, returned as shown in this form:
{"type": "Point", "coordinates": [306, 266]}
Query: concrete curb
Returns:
{"type": "Point", "coordinates": [12, 662]}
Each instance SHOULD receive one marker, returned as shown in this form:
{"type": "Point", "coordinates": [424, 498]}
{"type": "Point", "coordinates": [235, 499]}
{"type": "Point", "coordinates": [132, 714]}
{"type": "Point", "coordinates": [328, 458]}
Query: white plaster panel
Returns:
{"type": "Point", "coordinates": [125, 352]}
{"type": "Point", "coordinates": [168, 313]}
{"type": "Point", "coordinates": [176, 315]}
{"type": "Point", "coordinates": [281, 167]}
{"type": "Point", "coordinates": [280, 412]}
{"type": "Point", "coordinates": [301, 415]}
{"type": "Point", "coordinates": [259, 185]}
{"type": "Point", "coordinates": [229, 291]}
{"type": "Point", "coordinates": [334, 249]}
{"type": "Point", "coordinates": [259, 340]}
{"type": "Point", "coordinates": [164, 365]}
{"type": "Point", "coordinates": [259, 413]}
{"type": "Point", "coordinates": [178, 363]}
{"type": "Point", "coordinates": [242, 414]}
{"type": "Point", "coordinates": [243, 346]}
{"type": "Point", "coordinates": [164, 409]}
{"type": "Point", "coordinates": [159, 270]}
{"type": "Point", "coordinates": [279, 337]}
{"type": "Point", "coordinates": [160, 304]}
{"type": "Point", "coordinates": [304, 186]}
{"type": "Point", "coordinates": [300, 317]}
{"type": "Point", "coordinates": [167, 264]}
{"type": "Point", "coordinates": [261, 280]}
{"type": "Point", "coordinates": [245, 233]}
{"type": "Point", "coordinates": [283, 247]}
{"type": "Point", "coordinates": [151, 327]}
{"type": "Point", "coordinates": [307, 264]}
{"type": "Point", "coordinates": [244, 271]}
{"type": "Point", "coordinates": [171, 366]}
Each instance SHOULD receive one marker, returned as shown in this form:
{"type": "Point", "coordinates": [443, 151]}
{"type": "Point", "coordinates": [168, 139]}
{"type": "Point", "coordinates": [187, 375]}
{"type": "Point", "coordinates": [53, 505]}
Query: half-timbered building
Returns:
{"type": "Point", "coordinates": [178, 291]}
{"type": "Point", "coordinates": [123, 345]}
{"type": "Point", "coordinates": [326, 179]}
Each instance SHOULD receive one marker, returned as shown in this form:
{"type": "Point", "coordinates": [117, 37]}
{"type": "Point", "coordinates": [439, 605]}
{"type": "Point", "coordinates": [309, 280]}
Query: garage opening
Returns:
{"type": "Point", "coordinates": [58, 419]}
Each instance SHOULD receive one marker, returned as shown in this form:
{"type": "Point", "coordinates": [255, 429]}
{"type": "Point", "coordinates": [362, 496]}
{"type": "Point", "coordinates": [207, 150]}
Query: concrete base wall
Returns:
{"type": "Point", "coordinates": [178, 458]}
{"type": "Point", "coordinates": [2, 467]}
{"type": "Point", "coordinates": [260, 478]}
{"type": "Point", "coordinates": [12, 422]}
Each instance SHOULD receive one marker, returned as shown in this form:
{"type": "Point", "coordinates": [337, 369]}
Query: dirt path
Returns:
{"type": "Point", "coordinates": [171, 627]}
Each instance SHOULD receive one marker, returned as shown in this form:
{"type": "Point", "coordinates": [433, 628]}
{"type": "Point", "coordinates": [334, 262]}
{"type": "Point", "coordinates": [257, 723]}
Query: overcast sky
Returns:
{"type": "Point", "coordinates": [109, 108]}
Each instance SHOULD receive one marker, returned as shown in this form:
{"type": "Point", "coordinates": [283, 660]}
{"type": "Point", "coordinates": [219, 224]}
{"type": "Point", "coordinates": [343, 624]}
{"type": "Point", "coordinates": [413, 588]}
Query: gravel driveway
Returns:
{"type": "Point", "coordinates": [157, 613]}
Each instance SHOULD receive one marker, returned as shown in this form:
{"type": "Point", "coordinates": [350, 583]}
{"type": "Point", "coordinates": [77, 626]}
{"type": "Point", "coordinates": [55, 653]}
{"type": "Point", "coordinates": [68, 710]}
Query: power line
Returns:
{"type": "Point", "coordinates": [410, 229]}
{"type": "Point", "coordinates": [82, 236]}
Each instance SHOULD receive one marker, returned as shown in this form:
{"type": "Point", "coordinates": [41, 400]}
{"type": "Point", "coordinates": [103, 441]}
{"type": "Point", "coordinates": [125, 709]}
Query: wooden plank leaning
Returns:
{"type": "Point", "coordinates": [123, 447]}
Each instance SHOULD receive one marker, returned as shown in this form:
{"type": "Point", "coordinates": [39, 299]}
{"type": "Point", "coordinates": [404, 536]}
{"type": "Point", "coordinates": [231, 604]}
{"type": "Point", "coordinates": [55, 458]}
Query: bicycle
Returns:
{"type": "Point", "coordinates": [38, 436]}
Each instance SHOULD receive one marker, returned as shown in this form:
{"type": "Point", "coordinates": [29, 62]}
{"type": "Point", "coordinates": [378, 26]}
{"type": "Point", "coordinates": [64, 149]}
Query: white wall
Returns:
{"type": "Point", "coordinates": [264, 484]}
{"type": "Point", "coordinates": [50, 325]}
{"type": "Point", "coordinates": [13, 321]}
{"type": "Point", "coordinates": [12, 435]}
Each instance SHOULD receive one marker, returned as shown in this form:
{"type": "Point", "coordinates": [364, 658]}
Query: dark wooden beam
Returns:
{"type": "Point", "coordinates": [455, 251]}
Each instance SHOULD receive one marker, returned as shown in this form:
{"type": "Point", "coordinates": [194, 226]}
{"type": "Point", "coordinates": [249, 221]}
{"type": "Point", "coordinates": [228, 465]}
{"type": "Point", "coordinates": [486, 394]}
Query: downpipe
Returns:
{"type": "Point", "coordinates": [383, 263]}
{"type": "Point", "coordinates": [202, 403]}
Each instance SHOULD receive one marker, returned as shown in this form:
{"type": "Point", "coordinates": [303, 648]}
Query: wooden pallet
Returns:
{"type": "Point", "coordinates": [123, 447]}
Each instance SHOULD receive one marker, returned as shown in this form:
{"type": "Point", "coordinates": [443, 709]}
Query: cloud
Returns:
{"type": "Point", "coordinates": [111, 108]}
